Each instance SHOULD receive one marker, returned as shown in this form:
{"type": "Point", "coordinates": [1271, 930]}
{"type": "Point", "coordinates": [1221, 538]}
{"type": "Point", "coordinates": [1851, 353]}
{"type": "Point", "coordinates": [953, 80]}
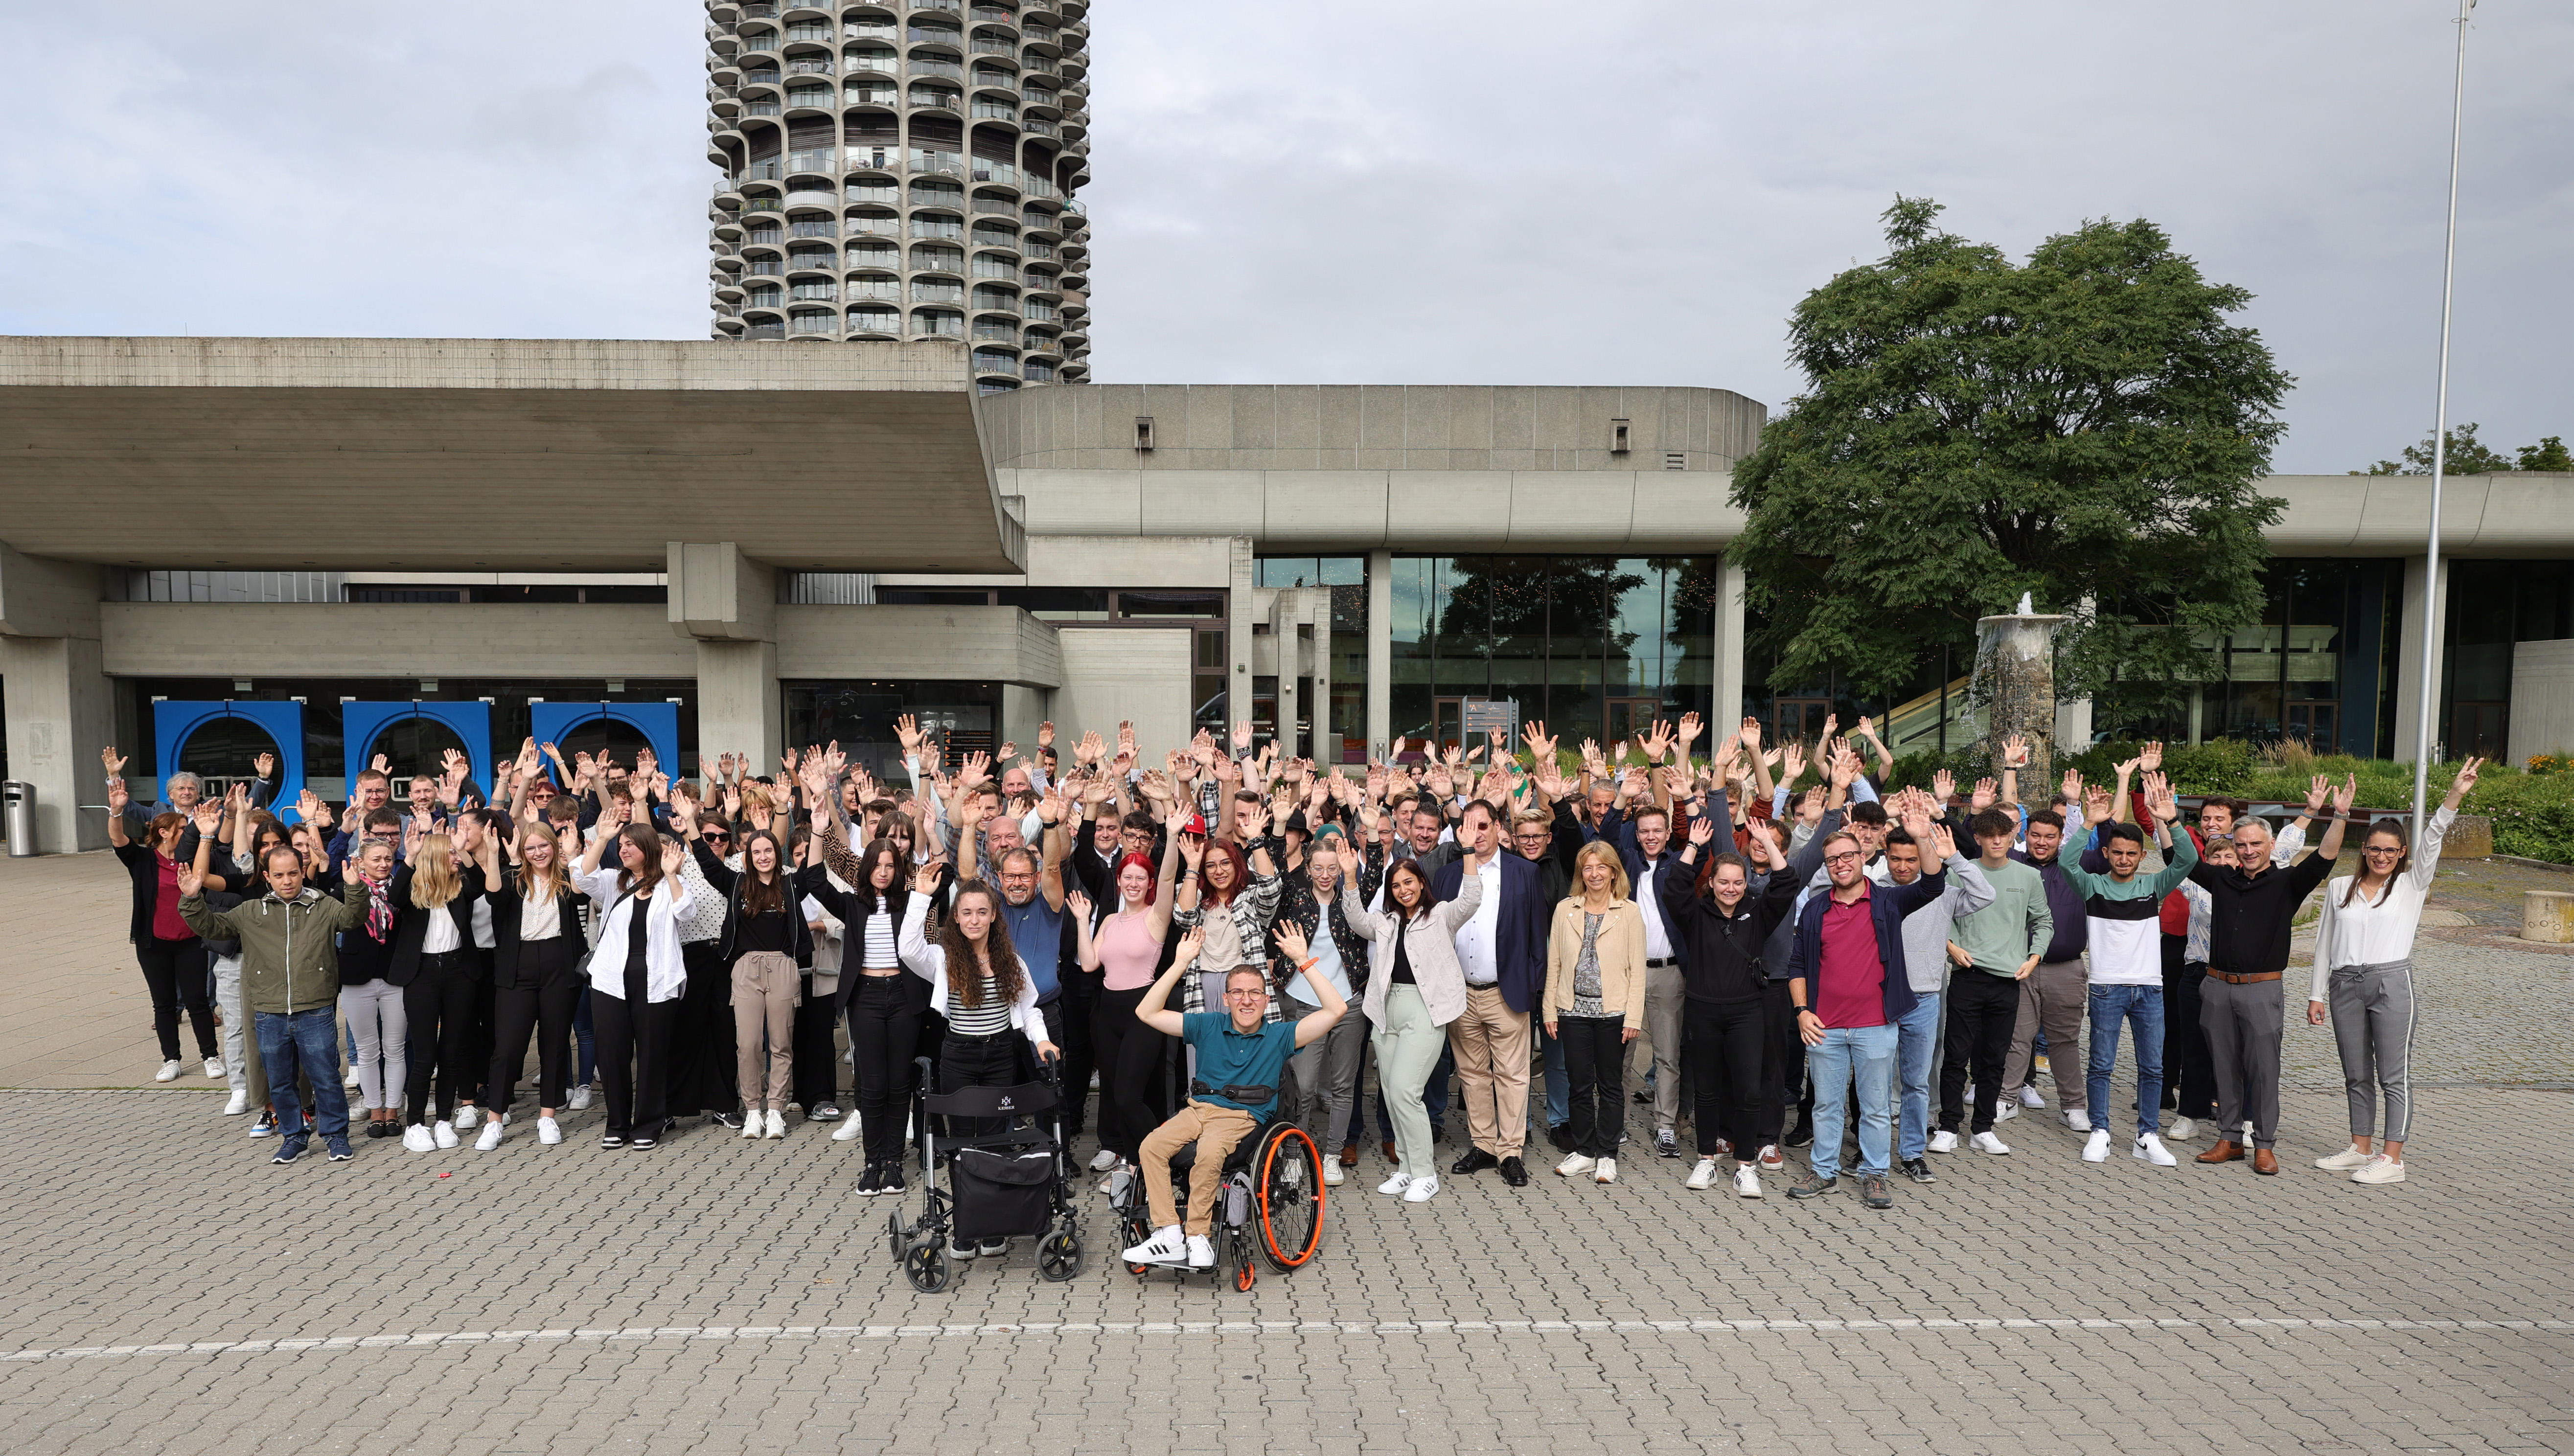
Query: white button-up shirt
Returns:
{"type": "Point", "coordinates": [1476, 953]}
{"type": "Point", "coordinates": [1657, 946]}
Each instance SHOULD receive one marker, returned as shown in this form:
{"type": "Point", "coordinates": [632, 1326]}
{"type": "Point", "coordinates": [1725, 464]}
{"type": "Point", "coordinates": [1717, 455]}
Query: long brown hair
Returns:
{"type": "Point", "coordinates": [892, 900]}
{"type": "Point", "coordinates": [2403, 861]}
{"type": "Point", "coordinates": [762, 896]}
{"type": "Point", "coordinates": [642, 838]}
{"type": "Point", "coordinates": [964, 978]}
{"type": "Point", "coordinates": [1241, 873]}
{"type": "Point", "coordinates": [1421, 904]}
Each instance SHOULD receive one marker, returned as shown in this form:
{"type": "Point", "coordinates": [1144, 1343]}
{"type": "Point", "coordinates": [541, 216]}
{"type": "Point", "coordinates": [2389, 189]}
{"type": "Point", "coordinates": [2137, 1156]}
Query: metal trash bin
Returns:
{"type": "Point", "coordinates": [18, 816]}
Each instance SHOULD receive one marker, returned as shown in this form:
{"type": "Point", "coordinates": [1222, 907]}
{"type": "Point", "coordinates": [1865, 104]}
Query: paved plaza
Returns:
{"type": "Point", "coordinates": [162, 1287]}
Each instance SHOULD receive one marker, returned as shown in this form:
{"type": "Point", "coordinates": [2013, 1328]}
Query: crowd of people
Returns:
{"type": "Point", "coordinates": [1764, 946]}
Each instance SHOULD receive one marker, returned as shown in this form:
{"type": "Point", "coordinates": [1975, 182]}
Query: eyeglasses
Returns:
{"type": "Point", "coordinates": [1844, 857]}
{"type": "Point", "coordinates": [2381, 849]}
{"type": "Point", "coordinates": [1249, 995]}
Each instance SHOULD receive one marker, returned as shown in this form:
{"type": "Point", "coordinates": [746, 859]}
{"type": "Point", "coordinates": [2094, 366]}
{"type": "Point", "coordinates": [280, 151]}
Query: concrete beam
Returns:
{"type": "Point", "coordinates": [717, 593]}
{"type": "Point", "coordinates": [958, 643]}
{"type": "Point", "coordinates": [41, 597]}
{"type": "Point", "coordinates": [387, 640]}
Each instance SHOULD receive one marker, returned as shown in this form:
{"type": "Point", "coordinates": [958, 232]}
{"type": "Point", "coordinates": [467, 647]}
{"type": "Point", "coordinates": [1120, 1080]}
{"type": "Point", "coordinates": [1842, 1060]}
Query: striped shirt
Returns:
{"type": "Point", "coordinates": [989, 1018]}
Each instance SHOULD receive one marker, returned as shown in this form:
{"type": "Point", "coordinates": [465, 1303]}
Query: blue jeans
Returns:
{"type": "Point", "coordinates": [586, 1041]}
{"type": "Point", "coordinates": [1917, 1036]}
{"type": "Point", "coordinates": [2142, 1007]}
{"type": "Point", "coordinates": [1558, 1086]}
{"type": "Point", "coordinates": [1868, 1054]}
{"type": "Point", "coordinates": [312, 1038]}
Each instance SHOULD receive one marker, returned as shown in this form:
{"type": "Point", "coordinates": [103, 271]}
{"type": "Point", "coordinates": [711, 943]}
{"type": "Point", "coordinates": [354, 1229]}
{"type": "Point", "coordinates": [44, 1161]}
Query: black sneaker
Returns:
{"type": "Point", "coordinates": [1561, 1134]}
{"type": "Point", "coordinates": [1919, 1171]}
{"type": "Point", "coordinates": [1803, 1135]}
{"type": "Point", "coordinates": [867, 1183]}
{"type": "Point", "coordinates": [1814, 1186]}
{"type": "Point", "coordinates": [891, 1179]}
{"type": "Point", "coordinates": [730, 1119]}
{"type": "Point", "coordinates": [613, 1139]}
{"type": "Point", "coordinates": [1644, 1099]}
{"type": "Point", "coordinates": [1875, 1192]}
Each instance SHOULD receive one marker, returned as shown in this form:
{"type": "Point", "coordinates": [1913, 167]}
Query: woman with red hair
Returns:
{"type": "Point", "coordinates": [1127, 947]}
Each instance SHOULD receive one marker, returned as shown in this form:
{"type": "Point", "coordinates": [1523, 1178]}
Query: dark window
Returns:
{"type": "Point", "coordinates": [934, 597]}
{"type": "Point", "coordinates": [1170, 603]}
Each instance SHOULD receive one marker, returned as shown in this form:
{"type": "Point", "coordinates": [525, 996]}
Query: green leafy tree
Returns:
{"type": "Point", "coordinates": [2549, 454]}
{"type": "Point", "coordinates": [2467, 456]}
{"type": "Point", "coordinates": [2087, 427]}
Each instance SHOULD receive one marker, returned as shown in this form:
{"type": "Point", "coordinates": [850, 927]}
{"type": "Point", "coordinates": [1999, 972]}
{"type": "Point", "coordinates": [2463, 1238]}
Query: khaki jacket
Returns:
{"type": "Point", "coordinates": [289, 948]}
{"type": "Point", "coordinates": [1621, 950]}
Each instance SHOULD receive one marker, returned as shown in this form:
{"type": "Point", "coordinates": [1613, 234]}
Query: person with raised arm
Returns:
{"type": "Point", "coordinates": [637, 971]}
{"type": "Point", "coordinates": [172, 956]}
{"type": "Point", "coordinates": [2124, 908]}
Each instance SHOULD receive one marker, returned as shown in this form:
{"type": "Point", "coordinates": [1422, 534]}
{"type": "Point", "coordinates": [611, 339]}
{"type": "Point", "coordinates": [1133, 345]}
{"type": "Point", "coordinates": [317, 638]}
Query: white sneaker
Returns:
{"type": "Point", "coordinates": [348, 1079]}
{"type": "Point", "coordinates": [2380, 1169]}
{"type": "Point", "coordinates": [1165, 1248]}
{"type": "Point", "coordinates": [215, 1068]}
{"type": "Point", "coordinates": [1943, 1141]}
{"type": "Point", "coordinates": [2345, 1160]}
{"type": "Point", "coordinates": [1702, 1177]}
{"type": "Point", "coordinates": [1606, 1173]}
{"type": "Point", "coordinates": [777, 1123]}
{"type": "Point", "coordinates": [1332, 1174]}
{"type": "Point", "coordinates": [239, 1104]}
{"type": "Point", "coordinates": [442, 1134]}
{"type": "Point", "coordinates": [579, 1102]}
{"type": "Point", "coordinates": [2151, 1149]}
{"type": "Point", "coordinates": [2095, 1148]}
{"type": "Point", "coordinates": [1771, 1158]}
{"type": "Point", "coordinates": [1987, 1142]}
{"type": "Point", "coordinates": [549, 1132]}
{"type": "Point", "coordinates": [491, 1137]}
{"type": "Point", "coordinates": [2181, 1130]}
{"type": "Point", "coordinates": [1201, 1252]}
{"type": "Point", "coordinates": [1747, 1183]}
{"type": "Point", "coordinates": [2078, 1118]}
{"type": "Point", "coordinates": [1396, 1184]}
{"type": "Point", "coordinates": [416, 1139]}
{"type": "Point", "coordinates": [752, 1123]}
{"type": "Point", "coordinates": [464, 1117]}
{"type": "Point", "coordinates": [1422, 1190]}
{"type": "Point", "coordinates": [169, 1072]}
{"type": "Point", "coordinates": [1576, 1164]}
{"type": "Point", "coordinates": [2028, 1096]}
{"type": "Point", "coordinates": [2247, 1133]}
{"type": "Point", "coordinates": [847, 1131]}
{"type": "Point", "coordinates": [1100, 1161]}
{"type": "Point", "coordinates": [2006, 1111]}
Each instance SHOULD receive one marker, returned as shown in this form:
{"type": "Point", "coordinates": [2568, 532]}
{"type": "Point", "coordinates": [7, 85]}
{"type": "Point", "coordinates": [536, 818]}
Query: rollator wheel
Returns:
{"type": "Point", "coordinates": [1059, 1256]}
{"type": "Point", "coordinates": [1287, 1194]}
{"type": "Point", "coordinates": [896, 1237]}
{"type": "Point", "coordinates": [927, 1268]}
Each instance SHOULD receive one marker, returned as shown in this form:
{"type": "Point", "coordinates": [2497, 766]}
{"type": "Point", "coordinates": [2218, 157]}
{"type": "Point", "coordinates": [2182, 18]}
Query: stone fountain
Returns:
{"type": "Point", "coordinates": [2016, 682]}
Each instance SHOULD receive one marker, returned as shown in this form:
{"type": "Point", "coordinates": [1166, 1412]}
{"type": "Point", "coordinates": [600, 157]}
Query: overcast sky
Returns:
{"type": "Point", "coordinates": [1390, 192]}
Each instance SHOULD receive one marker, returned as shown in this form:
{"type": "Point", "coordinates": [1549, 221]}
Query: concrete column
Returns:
{"type": "Point", "coordinates": [1022, 709]}
{"type": "Point", "coordinates": [1237, 636]}
{"type": "Point", "coordinates": [1380, 651]}
{"type": "Point", "coordinates": [2408, 669]}
{"type": "Point", "coordinates": [729, 604]}
{"type": "Point", "coordinates": [1284, 613]}
{"type": "Point", "coordinates": [1729, 684]}
{"type": "Point", "coordinates": [1327, 735]}
{"type": "Point", "coordinates": [59, 713]}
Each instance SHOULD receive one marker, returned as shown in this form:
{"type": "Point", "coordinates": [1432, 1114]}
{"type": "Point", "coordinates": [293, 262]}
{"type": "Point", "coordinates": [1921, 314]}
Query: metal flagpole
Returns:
{"type": "Point", "coordinates": [2429, 700]}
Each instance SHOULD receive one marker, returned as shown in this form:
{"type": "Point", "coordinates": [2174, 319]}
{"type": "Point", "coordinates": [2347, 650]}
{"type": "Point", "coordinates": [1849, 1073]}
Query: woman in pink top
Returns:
{"type": "Point", "coordinates": [1128, 946]}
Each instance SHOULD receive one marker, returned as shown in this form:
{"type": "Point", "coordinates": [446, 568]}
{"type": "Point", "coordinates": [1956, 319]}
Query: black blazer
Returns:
{"type": "Point", "coordinates": [411, 925]}
{"type": "Point", "coordinates": [732, 882]}
{"type": "Point", "coordinates": [506, 902]}
{"type": "Point", "coordinates": [851, 908]}
{"type": "Point", "coordinates": [362, 956]}
{"type": "Point", "coordinates": [142, 865]}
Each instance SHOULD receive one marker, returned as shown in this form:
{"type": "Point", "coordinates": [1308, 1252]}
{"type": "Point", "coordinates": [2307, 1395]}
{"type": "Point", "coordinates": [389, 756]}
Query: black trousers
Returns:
{"type": "Point", "coordinates": [1131, 1077]}
{"type": "Point", "coordinates": [1721, 1045]}
{"type": "Point", "coordinates": [884, 1030]}
{"type": "Point", "coordinates": [698, 1066]}
{"type": "Point", "coordinates": [1069, 1024]}
{"type": "Point", "coordinates": [980, 1061]}
{"type": "Point", "coordinates": [439, 1003]}
{"type": "Point", "coordinates": [633, 1055]}
{"type": "Point", "coordinates": [1782, 1066]}
{"type": "Point", "coordinates": [817, 1079]}
{"type": "Point", "coordinates": [480, 1032]}
{"type": "Point", "coordinates": [174, 971]}
{"type": "Point", "coordinates": [1982, 1008]}
{"type": "Point", "coordinates": [1594, 1072]}
{"type": "Point", "coordinates": [545, 1008]}
{"type": "Point", "coordinates": [2189, 1068]}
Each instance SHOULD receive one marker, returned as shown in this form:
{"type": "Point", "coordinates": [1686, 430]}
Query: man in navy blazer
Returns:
{"type": "Point", "coordinates": [1502, 949]}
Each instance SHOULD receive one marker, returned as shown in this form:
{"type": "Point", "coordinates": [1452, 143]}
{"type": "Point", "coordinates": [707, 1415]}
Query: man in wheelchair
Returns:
{"type": "Point", "coordinates": [1240, 1057]}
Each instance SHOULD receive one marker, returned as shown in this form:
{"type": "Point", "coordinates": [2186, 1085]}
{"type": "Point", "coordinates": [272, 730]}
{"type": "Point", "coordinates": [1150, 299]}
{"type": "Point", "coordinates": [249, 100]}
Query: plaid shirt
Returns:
{"type": "Point", "coordinates": [1252, 911]}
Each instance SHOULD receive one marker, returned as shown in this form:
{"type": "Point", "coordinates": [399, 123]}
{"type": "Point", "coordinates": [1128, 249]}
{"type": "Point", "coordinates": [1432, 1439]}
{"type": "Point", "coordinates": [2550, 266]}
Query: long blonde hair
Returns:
{"type": "Point", "coordinates": [434, 880]}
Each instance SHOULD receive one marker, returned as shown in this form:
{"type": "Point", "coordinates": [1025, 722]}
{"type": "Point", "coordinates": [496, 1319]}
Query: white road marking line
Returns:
{"type": "Point", "coordinates": [765, 1333]}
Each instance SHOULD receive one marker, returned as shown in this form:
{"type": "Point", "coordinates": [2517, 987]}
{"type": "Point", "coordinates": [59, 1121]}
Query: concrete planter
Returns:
{"type": "Point", "coordinates": [2471, 838]}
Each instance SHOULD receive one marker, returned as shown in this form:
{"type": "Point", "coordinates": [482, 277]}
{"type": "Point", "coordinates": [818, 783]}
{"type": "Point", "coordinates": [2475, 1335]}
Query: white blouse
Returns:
{"type": "Point", "coordinates": [539, 916]}
{"type": "Point", "coordinates": [2373, 931]}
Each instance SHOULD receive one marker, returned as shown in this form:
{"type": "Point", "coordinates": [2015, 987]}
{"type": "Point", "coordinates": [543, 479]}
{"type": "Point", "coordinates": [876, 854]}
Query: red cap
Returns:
{"type": "Point", "coordinates": [1195, 825]}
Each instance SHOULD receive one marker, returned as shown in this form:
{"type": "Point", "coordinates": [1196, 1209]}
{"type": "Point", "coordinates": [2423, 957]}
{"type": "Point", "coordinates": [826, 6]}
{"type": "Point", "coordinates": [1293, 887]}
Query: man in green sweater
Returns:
{"type": "Point", "coordinates": [290, 987]}
{"type": "Point", "coordinates": [2123, 910]}
{"type": "Point", "coordinates": [1994, 948]}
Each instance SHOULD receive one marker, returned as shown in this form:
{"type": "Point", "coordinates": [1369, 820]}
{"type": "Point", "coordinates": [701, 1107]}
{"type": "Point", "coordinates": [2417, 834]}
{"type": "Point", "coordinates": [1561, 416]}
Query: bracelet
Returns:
{"type": "Point", "coordinates": [1310, 962]}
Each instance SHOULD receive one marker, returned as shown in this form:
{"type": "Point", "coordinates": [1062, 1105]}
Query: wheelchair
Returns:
{"type": "Point", "coordinates": [1271, 1201]}
{"type": "Point", "coordinates": [1015, 1183]}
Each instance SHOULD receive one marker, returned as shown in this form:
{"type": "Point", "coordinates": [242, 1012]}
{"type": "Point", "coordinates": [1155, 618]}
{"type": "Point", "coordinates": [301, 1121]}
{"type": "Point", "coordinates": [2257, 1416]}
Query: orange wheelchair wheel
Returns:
{"type": "Point", "coordinates": [1289, 1193]}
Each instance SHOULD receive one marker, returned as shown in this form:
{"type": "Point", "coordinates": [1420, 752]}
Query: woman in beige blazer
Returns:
{"type": "Point", "coordinates": [1595, 1004]}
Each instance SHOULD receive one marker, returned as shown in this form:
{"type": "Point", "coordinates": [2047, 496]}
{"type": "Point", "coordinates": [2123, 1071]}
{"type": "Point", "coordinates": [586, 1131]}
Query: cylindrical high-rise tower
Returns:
{"type": "Point", "coordinates": [904, 170]}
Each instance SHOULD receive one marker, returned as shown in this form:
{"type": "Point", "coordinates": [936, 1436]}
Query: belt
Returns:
{"type": "Point", "coordinates": [1668, 960]}
{"type": "Point", "coordinates": [986, 1037]}
{"type": "Point", "coordinates": [2231, 978]}
{"type": "Point", "coordinates": [1238, 1092]}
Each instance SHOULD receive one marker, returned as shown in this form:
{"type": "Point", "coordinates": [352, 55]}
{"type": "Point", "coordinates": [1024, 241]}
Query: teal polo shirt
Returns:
{"type": "Point", "coordinates": [1230, 1058]}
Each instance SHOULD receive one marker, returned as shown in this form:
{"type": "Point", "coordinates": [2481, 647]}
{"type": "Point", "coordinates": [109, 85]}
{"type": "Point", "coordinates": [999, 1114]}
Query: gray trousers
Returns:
{"type": "Point", "coordinates": [1666, 994]}
{"type": "Point", "coordinates": [237, 1045]}
{"type": "Point", "coordinates": [2244, 1024]}
{"type": "Point", "coordinates": [2372, 1023]}
{"type": "Point", "coordinates": [1326, 1074]}
{"type": "Point", "coordinates": [2058, 997]}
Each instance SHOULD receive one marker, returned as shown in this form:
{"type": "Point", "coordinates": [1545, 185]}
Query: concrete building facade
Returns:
{"type": "Point", "coordinates": [904, 170]}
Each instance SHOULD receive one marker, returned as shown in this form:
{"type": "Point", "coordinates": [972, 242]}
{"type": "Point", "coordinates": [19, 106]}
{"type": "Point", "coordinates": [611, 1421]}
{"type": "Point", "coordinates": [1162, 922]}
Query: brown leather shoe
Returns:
{"type": "Point", "coordinates": [2225, 1152]}
{"type": "Point", "coordinates": [1349, 1155]}
{"type": "Point", "coordinates": [1388, 1145]}
{"type": "Point", "coordinates": [2265, 1162]}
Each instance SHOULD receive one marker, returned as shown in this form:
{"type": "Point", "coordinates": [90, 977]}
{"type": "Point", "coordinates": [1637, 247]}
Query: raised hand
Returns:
{"type": "Point", "coordinates": [266, 762]}
{"type": "Point", "coordinates": [2460, 787]}
{"type": "Point", "coordinates": [1009, 751]}
{"type": "Point", "coordinates": [2317, 791]}
{"type": "Point", "coordinates": [2016, 752]}
{"type": "Point", "coordinates": [925, 880]}
{"type": "Point", "coordinates": [111, 760]}
{"type": "Point", "coordinates": [117, 798]}
{"type": "Point", "coordinates": [1078, 903]}
{"type": "Point", "coordinates": [1943, 787]}
{"type": "Point", "coordinates": [1690, 727]}
{"type": "Point", "coordinates": [1046, 734]}
{"type": "Point", "coordinates": [1791, 761]}
{"type": "Point", "coordinates": [906, 730]}
{"type": "Point", "coordinates": [1242, 738]}
{"type": "Point", "coordinates": [1347, 854]}
{"type": "Point", "coordinates": [2347, 795]}
{"type": "Point", "coordinates": [1291, 939]}
{"type": "Point", "coordinates": [2151, 759]}
{"type": "Point", "coordinates": [1702, 831]}
{"type": "Point", "coordinates": [1749, 734]}
{"type": "Point", "coordinates": [672, 857]}
{"type": "Point", "coordinates": [382, 764]}
{"type": "Point", "coordinates": [190, 882]}
{"type": "Point", "coordinates": [208, 817]}
{"type": "Point", "coordinates": [1942, 842]}
{"type": "Point", "coordinates": [2159, 800]}
{"type": "Point", "coordinates": [2096, 806]}
{"type": "Point", "coordinates": [1986, 791]}
{"type": "Point", "coordinates": [1192, 849]}
{"type": "Point", "coordinates": [1186, 952]}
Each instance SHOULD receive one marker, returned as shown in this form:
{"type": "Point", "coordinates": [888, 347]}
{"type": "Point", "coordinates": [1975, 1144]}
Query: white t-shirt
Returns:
{"type": "Point", "coordinates": [1477, 954]}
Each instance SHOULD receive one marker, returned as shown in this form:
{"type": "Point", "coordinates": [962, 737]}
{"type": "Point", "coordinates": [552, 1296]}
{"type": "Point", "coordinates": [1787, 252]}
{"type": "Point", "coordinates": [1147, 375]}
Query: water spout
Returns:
{"type": "Point", "coordinates": [2025, 610]}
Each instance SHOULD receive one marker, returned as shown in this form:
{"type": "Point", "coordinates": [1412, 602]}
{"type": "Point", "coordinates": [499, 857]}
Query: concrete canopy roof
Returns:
{"type": "Point", "coordinates": [506, 455]}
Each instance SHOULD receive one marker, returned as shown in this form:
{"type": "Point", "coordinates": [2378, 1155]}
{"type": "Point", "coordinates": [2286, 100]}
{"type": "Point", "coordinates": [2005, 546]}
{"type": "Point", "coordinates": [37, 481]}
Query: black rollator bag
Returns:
{"type": "Point", "coordinates": [1003, 1195]}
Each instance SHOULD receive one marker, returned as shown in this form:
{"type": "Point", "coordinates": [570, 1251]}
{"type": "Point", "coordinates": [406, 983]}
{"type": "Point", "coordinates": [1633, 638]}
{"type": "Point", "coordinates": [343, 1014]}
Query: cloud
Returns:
{"type": "Point", "coordinates": [1394, 192]}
